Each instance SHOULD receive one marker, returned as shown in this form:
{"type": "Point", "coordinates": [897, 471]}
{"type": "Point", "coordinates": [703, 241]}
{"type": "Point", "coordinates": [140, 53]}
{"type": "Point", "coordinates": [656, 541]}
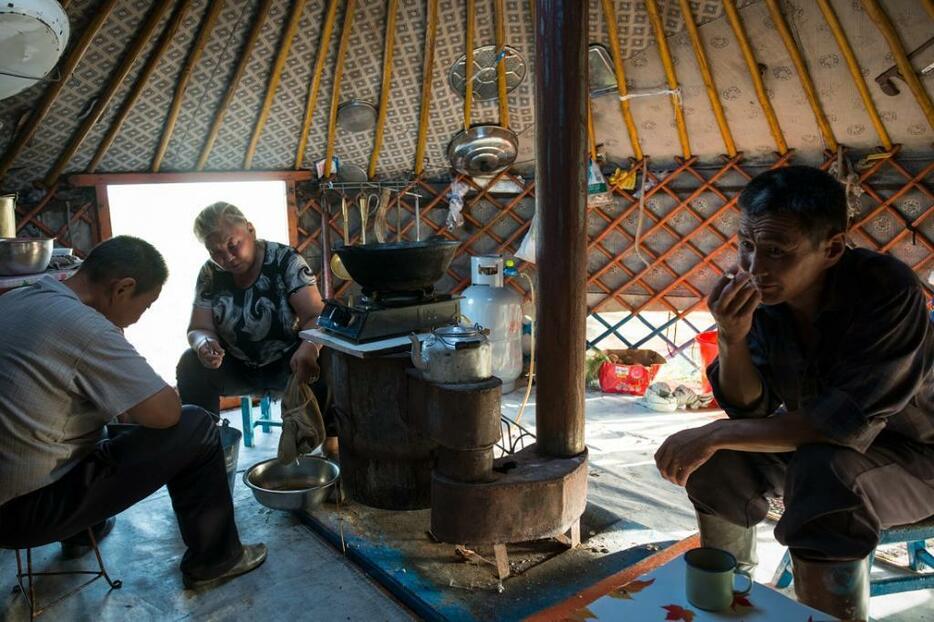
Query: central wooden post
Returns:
{"type": "Point", "coordinates": [560, 190]}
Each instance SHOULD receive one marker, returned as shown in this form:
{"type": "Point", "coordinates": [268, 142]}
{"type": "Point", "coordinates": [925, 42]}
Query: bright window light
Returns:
{"type": "Point", "coordinates": [163, 215]}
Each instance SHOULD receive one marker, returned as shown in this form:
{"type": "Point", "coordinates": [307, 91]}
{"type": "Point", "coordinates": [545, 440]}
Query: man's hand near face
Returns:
{"type": "Point", "coordinates": [732, 303]}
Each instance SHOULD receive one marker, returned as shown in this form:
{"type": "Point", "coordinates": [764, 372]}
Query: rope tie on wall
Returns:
{"type": "Point", "coordinates": [843, 170]}
{"type": "Point", "coordinates": [637, 246]}
{"type": "Point", "coordinates": [675, 92]}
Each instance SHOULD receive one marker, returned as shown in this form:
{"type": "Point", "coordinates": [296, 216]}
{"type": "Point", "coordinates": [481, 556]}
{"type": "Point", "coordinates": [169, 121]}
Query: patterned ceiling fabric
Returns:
{"type": "Point", "coordinates": [136, 142]}
{"type": "Point", "coordinates": [135, 145]}
{"type": "Point", "coordinates": [78, 96]}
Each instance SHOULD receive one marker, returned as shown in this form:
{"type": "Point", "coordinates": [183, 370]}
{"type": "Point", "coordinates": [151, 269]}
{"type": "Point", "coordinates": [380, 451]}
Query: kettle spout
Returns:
{"type": "Point", "coordinates": [416, 354]}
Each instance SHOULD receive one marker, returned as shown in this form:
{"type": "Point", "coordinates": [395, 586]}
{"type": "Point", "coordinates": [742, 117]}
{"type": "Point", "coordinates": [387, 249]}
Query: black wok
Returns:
{"type": "Point", "coordinates": [399, 266]}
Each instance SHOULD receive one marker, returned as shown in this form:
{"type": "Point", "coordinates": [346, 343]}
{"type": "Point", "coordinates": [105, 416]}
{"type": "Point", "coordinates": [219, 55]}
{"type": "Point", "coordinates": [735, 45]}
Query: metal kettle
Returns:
{"type": "Point", "coordinates": [453, 355]}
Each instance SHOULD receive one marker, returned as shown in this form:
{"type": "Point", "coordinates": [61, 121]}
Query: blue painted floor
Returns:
{"type": "Point", "coordinates": [437, 584]}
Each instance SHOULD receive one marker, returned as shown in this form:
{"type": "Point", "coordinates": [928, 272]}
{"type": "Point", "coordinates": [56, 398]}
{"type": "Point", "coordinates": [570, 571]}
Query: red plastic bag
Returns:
{"type": "Point", "coordinates": [628, 379]}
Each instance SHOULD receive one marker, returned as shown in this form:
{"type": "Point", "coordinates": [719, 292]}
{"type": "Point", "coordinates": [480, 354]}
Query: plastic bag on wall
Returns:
{"type": "Point", "coordinates": [597, 189]}
{"type": "Point", "coordinates": [455, 218]}
{"type": "Point", "coordinates": [526, 251]}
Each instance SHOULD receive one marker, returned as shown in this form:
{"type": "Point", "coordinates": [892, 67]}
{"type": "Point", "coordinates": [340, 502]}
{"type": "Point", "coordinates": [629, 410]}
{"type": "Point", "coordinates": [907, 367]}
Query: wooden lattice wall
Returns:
{"type": "Point", "coordinates": [687, 239]}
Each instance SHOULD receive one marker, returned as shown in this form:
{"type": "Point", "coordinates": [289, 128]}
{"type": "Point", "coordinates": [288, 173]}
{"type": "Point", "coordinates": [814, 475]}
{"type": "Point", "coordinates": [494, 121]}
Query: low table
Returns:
{"type": "Point", "coordinates": [659, 595]}
{"type": "Point", "coordinates": [12, 282]}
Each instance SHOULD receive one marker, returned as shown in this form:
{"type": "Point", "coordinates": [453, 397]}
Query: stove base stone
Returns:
{"type": "Point", "coordinates": [531, 497]}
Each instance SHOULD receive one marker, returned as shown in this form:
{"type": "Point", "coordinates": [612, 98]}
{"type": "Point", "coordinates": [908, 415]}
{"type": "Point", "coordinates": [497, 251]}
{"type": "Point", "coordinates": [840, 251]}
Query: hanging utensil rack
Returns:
{"type": "Point", "coordinates": [395, 186]}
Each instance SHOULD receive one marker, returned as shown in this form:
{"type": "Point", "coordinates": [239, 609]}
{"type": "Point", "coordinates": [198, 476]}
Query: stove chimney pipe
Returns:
{"type": "Point", "coordinates": [560, 191]}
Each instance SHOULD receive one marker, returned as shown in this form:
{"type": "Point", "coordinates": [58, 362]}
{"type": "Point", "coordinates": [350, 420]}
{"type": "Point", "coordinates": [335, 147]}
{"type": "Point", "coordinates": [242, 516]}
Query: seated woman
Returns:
{"type": "Point", "coordinates": [251, 299]}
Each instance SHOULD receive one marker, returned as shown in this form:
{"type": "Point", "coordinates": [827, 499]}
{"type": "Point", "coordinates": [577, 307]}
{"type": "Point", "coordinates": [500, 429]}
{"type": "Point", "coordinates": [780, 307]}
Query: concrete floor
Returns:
{"type": "Point", "coordinates": [306, 579]}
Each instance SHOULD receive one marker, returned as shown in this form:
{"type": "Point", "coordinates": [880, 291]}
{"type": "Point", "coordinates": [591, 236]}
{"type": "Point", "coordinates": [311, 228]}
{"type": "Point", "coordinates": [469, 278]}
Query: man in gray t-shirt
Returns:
{"type": "Point", "coordinates": [66, 370]}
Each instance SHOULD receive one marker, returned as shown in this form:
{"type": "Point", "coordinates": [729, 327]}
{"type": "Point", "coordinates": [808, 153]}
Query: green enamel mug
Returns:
{"type": "Point", "coordinates": [709, 579]}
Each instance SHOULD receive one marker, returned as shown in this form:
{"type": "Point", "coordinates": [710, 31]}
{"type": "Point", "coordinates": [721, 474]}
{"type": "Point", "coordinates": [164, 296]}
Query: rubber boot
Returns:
{"type": "Point", "coordinates": [840, 589]}
{"type": "Point", "coordinates": [724, 535]}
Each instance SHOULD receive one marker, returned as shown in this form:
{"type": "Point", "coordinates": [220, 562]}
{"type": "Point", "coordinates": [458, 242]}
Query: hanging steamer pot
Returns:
{"type": "Point", "coordinates": [483, 150]}
{"type": "Point", "coordinates": [453, 355]}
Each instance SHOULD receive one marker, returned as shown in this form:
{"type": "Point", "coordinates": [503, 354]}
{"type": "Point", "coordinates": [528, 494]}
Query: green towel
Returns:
{"type": "Point", "coordinates": [302, 423]}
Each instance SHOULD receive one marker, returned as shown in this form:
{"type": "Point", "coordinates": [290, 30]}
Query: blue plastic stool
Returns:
{"type": "Point", "coordinates": [265, 417]}
{"type": "Point", "coordinates": [918, 557]}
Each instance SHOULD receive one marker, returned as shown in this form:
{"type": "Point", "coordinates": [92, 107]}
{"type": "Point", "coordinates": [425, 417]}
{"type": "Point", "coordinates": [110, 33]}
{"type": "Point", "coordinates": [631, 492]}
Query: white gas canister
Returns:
{"type": "Point", "coordinates": [497, 308]}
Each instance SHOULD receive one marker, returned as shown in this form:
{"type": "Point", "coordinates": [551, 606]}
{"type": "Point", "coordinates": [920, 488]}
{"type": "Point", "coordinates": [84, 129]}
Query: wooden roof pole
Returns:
{"type": "Point", "coordinates": [104, 98]}
{"type": "Point", "coordinates": [670, 75]}
{"type": "Point", "coordinates": [336, 89]}
{"type": "Point", "coordinates": [500, 25]}
{"type": "Point", "coordinates": [431, 36]}
{"type": "Point", "coordinates": [561, 213]}
{"type": "Point", "coordinates": [253, 35]}
{"type": "Point", "coordinates": [197, 48]}
{"type": "Point", "coordinates": [885, 26]}
{"type": "Point", "coordinates": [778, 18]}
{"type": "Point", "coordinates": [39, 207]}
{"type": "Point", "coordinates": [709, 84]}
{"type": "Point", "coordinates": [291, 28]}
{"type": "Point", "coordinates": [468, 62]}
{"type": "Point", "coordinates": [609, 14]}
{"type": "Point", "coordinates": [151, 63]}
{"type": "Point", "coordinates": [591, 133]}
{"type": "Point", "coordinates": [324, 45]}
{"type": "Point", "coordinates": [853, 65]}
{"type": "Point", "coordinates": [51, 92]}
{"type": "Point", "coordinates": [389, 41]}
{"type": "Point", "coordinates": [929, 5]}
{"type": "Point", "coordinates": [736, 24]}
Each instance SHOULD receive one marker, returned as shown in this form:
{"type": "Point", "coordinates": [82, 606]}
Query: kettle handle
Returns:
{"type": "Point", "coordinates": [416, 354]}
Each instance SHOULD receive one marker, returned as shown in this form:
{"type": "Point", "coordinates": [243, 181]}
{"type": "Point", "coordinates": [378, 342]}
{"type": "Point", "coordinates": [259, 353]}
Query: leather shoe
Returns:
{"type": "Point", "coordinates": [253, 555]}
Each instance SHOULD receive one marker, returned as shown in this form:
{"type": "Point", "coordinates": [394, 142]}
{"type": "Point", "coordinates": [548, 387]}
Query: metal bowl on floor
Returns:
{"type": "Point", "coordinates": [300, 485]}
{"type": "Point", "coordinates": [24, 255]}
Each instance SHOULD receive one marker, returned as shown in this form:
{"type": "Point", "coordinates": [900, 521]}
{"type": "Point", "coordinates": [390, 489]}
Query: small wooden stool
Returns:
{"type": "Point", "coordinates": [265, 417]}
{"type": "Point", "coordinates": [29, 590]}
{"type": "Point", "coordinates": [919, 556]}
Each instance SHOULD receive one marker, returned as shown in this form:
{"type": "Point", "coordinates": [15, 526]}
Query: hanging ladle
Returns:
{"type": "Point", "coordinates": [337, 266]}
{"type": "Point", "coordinates": [363, 203]}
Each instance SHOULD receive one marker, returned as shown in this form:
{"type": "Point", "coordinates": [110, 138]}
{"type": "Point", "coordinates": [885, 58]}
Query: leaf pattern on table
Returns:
{"type": "Point", "coordinates": [676, 612]}
{"type": "Point", "coordinates": [581, 615]}
{"type": "Point", "coordinates": [740, 600]}
{"type": "Point", "coordinates": [633, 587]}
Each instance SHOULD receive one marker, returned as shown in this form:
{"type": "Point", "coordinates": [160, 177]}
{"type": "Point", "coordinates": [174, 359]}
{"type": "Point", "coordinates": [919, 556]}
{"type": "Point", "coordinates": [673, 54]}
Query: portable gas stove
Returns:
{"type": "Point", "coordinates": [380, 315]}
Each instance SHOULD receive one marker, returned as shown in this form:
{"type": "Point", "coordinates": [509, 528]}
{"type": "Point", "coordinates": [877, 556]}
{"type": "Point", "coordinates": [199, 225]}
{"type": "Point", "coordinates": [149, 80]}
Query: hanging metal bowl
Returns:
{"type": "Point", "coordinates": [356, 115]}
{"type": "Point", "coordinates": [483, 150]}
